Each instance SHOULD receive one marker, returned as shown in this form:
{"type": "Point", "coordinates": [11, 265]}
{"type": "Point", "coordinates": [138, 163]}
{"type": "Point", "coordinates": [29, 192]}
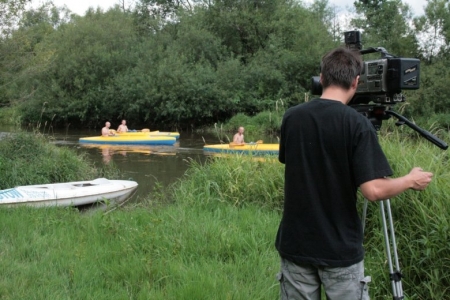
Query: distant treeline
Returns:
{"type": "Point", "coordinates": [186, 64]}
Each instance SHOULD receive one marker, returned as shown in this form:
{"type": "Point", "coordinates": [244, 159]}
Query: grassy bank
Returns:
{"type": "Point", "coordinates": [170, 253]}
{"type": "Point", "coordinates": [215, 240]}
{"type": "Point", "coordinates": [28, 158]}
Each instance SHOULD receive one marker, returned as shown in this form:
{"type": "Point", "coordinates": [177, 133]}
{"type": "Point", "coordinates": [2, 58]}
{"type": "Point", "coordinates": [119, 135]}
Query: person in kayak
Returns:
{"type": "Point", "coordinates": [239, 136]}
{"type": "Point", "coordinates": [123, 127]}
{"type": "Point", "coordinates": [105, 130]}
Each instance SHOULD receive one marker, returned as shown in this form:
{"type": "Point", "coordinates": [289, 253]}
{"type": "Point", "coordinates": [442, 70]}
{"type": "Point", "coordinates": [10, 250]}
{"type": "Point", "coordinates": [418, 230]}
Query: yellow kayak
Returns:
{"type": "Point", "coordinates": [247, 148]}
{"type": "Point", "coordinates": [146, 132]}
{"type": "Point", "coordinates": [129, 140]}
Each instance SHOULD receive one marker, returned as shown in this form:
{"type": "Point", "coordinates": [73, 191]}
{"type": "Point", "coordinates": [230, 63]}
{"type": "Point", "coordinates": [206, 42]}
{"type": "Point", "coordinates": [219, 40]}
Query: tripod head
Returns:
{"type": "Point", "coordinates": [377, 113]}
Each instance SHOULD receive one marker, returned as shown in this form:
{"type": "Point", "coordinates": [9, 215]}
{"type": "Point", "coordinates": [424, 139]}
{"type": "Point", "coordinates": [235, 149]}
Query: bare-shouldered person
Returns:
{"type": "Point", "coordinates": [123, 127]}
{"type": "Point", "coordinates": [239, 136]}
{"type": "Point", "coordinates": [105, 130]}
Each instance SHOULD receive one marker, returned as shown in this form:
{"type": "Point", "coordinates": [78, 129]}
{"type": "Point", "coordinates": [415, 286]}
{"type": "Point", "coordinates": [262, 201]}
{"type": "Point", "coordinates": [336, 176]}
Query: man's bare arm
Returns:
{"type": "Point", "coordinates": [386, 188]}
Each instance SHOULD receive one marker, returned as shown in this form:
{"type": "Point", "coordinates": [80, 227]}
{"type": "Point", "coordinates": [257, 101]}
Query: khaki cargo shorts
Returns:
{"type": "Point", "coordinates": [304, 282]}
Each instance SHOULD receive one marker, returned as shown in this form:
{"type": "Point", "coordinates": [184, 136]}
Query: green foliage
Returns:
{"type": "Point", "coordinates": [84, 66]}
{"type": "Point", "coordinates": [435, 25]}
{"type": "Point", "coordinates": [263, 123]}
{"type": "Point", "coordinates": [439, 124]}
{"type": "Point", "coordinates": [10, 116]}
{"type": "Point", "coordinates": [30, 159]}
{"type": "Point", "coordinates": [175, 64]}
{"type": "Point", "coordinates": [433, 96]}
{"type": "Point", "coordinates": [237, 121]}
{"type": "Point", "coordinates": [379, 19]}
{"type": "Point", "coordinates": [10, 12]}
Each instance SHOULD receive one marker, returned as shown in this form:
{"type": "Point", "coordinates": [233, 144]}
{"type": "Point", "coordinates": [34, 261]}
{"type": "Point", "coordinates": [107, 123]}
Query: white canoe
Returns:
{"type": "Point", "coordinates": [69, 194]}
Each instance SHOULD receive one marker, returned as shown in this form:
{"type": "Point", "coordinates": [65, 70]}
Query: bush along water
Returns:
{"type": "Point", "coordinates": [29, 158]}
{"type": "Point", "coordinates": [262, 124]}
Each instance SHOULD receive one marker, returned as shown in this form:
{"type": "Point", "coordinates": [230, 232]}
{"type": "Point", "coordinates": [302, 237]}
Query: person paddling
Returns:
{"type": "Point", "coordinates": [105, 130]}
{"type": "Point", "coordinates": [239, 136]}
{"type": "Point", "coordinates": [123, 127]}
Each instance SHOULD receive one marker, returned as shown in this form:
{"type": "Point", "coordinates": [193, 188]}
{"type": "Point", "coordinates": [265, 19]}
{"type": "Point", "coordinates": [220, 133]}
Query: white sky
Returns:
{"type": "Point", "coordinates": [80, 6]}
{"type": "Point", "coordinates": [416, 5]}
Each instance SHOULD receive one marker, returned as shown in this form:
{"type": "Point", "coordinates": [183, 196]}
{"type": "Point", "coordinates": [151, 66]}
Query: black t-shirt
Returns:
{"type": "Point", "coordinates": [329, 149]}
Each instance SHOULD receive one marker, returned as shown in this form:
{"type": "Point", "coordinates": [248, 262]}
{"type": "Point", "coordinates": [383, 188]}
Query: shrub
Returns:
{"type": "Point", "coordinates": [30, 159]}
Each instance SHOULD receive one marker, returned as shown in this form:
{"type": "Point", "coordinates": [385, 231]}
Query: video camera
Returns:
{"type": "Point", "coordinates": [381, 80]}
{"type": "Point", "coordinates": [380, 85]}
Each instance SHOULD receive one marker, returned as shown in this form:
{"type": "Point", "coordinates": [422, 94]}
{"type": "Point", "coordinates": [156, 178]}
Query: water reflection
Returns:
{"type": "Point", "coordinates": [148, 165]}
{"type": "Point", "coordinates": [108, 151]}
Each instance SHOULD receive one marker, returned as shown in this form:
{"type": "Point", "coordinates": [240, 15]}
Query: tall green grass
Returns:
{"type": "Point", "coordinates": [236, 179]}
{"type": "Point", "coordinates": [421, 222]}
{"type": "Point", "coordinates": [142, 253]}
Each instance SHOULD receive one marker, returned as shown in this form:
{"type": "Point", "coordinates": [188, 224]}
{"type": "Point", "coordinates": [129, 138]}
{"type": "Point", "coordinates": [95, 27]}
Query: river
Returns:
{"type": "Point", "coordinates": [147, 165]}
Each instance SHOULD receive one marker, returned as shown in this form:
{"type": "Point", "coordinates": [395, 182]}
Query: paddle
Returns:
{"type": "Point", "coordinates": [232, 144]}
{"type": "Point", "coordinates": [112, 132]}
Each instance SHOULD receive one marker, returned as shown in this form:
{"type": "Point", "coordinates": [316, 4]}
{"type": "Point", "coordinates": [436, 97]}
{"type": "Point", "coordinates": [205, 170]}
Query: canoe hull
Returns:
{"type": "Point", "coordinates": [156, 133]}
{"type": "Point", "coordinates": [76, 193]}
{"type": "Point", "coordinates": [128, 140]}
{"type": "Point", "coordinates": [252, 149]}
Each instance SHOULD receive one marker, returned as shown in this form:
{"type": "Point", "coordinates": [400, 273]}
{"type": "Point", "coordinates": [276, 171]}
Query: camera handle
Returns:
{"type": "Point", "coordinates": [438, 142]}
{"type": "Point", "coordinates": [395, 276]}
{"type": "Point", "coordinates": [381, 50]}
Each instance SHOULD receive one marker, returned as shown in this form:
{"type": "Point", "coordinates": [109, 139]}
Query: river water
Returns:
{"type": "Point", "coordinates": [147, 165]}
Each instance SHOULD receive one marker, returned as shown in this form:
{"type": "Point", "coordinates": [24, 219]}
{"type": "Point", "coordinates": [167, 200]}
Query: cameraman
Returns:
{"type": "Point", "coordinates": [329, 151]}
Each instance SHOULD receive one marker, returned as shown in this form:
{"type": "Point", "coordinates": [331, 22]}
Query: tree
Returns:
{"type": "Point", "coordinates": [10, 12]}
{"type": "Point", "coordinates": [86, 54]}
{"type": "Point", "coordinates": [385, 23]}
{"type": "Point", "coordinates": [434, 28]}
{"type": "Point", "coordinates": [22, 54]}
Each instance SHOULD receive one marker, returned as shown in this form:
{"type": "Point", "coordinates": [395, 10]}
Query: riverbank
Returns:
{"type": "Point", "coordinates": [216, 238]}
{"type": "Point", "coordinates": [30, 158]}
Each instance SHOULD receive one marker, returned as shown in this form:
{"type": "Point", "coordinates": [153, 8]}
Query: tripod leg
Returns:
{"type": "Point", "coordinates": [396, 276]}
{"type": "Point", "coordinates": [364, 214]}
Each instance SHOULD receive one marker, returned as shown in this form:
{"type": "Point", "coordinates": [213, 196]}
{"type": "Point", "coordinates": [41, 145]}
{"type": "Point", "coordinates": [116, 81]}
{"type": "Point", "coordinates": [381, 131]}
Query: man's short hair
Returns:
{"type": "Point", "coordinates": [340, 67]}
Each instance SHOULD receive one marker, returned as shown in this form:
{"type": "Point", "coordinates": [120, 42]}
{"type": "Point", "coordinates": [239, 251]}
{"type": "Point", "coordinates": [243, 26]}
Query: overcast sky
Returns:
{"type": "Point", "coordinates": [416, 5]}
{"type": "Point", "coordinates": [80, 6]}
